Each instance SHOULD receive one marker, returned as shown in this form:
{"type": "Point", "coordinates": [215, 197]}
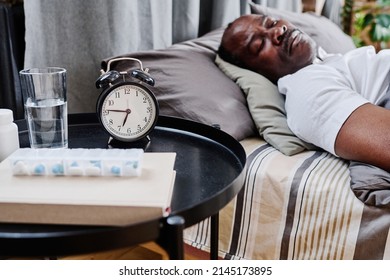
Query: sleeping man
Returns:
{"type": "Point", "coordinates": [332, 101]}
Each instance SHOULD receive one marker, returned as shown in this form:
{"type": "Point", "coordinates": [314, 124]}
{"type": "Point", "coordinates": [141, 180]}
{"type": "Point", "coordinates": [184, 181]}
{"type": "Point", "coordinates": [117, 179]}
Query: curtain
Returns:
{"type": "Point", "coordinates": [77, 35]}
{"type": "Point", "coordinates": [11, 57]}
{"type": "Point", "coordinates": [289, 5]}
{"type": "Point", "coordinates": [332, 10]}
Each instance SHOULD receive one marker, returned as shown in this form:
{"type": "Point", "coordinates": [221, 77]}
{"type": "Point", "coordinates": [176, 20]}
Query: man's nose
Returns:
{"type": "Point", "coordinates": [277, 34]}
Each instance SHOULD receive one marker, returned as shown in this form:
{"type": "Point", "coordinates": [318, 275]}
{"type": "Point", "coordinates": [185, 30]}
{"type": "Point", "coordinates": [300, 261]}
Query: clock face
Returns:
{"type": "Point", "coordinates": [128, 112]}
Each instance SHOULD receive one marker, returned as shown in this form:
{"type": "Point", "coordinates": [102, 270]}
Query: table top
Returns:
{"type": "Point", "coordinates": [210, 171]}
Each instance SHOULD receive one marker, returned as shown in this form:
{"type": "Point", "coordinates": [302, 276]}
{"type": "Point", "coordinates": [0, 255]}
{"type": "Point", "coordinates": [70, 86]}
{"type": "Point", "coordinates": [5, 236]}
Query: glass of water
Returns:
{"type": "Point", "coordinates": [45, 105]}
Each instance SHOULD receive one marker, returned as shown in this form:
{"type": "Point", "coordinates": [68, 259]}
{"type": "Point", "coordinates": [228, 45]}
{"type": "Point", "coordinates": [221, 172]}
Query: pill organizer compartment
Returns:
{"type": "Point", "coordinates": [76, 162]}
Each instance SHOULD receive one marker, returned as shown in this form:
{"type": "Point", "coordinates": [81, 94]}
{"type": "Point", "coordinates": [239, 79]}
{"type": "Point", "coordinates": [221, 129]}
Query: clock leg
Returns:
{"type": "Point", "coordinates": [139, 144]}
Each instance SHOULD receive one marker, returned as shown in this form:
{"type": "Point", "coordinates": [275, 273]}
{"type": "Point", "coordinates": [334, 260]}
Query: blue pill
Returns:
{"type": "Point", "coordinates": [95, 163]}
{"type": "Point", "coordinates": [39, 169]}
{"type": "Point", "coordinates": [115, 170]}
{"type": "Point", "coordinates": [58, 169]}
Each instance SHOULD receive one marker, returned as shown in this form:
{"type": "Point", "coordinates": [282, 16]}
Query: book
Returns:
{"type": "Point", "coordinates": [77, 200]}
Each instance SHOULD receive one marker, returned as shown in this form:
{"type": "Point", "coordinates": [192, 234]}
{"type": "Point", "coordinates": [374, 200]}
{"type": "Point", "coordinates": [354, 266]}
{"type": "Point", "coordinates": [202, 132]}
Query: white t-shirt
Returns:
{"type": "Point", "coordinates": [320, 97]}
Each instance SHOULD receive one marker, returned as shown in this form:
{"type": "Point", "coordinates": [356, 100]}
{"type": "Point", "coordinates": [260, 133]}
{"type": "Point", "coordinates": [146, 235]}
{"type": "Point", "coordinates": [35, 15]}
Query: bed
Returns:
{"type": "Point", "coordinates": [297, 202]}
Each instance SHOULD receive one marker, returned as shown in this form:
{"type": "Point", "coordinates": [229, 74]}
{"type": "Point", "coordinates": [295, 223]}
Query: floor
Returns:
{"type": "Point", "coordinates": [146, 251]}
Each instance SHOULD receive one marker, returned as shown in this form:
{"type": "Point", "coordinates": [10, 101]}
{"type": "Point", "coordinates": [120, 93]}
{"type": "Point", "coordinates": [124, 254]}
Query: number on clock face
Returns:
{"type": "Point", "coordinates": [128, 112]}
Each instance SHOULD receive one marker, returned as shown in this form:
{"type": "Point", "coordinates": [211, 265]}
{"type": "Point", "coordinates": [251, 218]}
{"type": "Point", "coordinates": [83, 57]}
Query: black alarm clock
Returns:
{"type": "Point", "coordinates": [127, 108]}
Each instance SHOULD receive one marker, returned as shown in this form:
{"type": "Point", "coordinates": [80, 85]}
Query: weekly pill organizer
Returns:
{"type": "Point", "coordinates": [76, 162]}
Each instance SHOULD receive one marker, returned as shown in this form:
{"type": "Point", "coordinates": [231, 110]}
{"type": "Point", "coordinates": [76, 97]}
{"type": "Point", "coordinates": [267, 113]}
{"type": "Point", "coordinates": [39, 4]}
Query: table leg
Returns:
{"type": "Point", "coordinates": [214, 236]}
{"type": "Point", "coordinates": [171, 238]}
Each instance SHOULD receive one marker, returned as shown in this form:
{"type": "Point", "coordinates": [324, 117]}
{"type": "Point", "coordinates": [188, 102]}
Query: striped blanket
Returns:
{"type": "Point", "coordinates": [298, 207]}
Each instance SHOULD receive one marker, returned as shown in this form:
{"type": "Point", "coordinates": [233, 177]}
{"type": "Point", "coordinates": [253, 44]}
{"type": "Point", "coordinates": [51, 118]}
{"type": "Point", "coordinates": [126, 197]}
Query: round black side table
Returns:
{"type": "Point", "coordinates": [210, 171]}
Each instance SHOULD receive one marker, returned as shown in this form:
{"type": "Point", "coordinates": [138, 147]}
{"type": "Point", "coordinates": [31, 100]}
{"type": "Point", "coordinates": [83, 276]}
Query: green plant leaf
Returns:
{"type": "Point", "coordinates": [384, 2]}
{"type": "Point", "coordinates": [367, 20]}
{"type": "Point", "coordinates": [358, 41]}
{"type": "Point", "coordinates": [383, 20]}
{"type": "Point", "coordinates": [379, 33]}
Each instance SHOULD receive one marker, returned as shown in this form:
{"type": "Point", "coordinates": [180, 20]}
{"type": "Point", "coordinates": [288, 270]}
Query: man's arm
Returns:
{"type": "Point", "coordinates": [365, 136]}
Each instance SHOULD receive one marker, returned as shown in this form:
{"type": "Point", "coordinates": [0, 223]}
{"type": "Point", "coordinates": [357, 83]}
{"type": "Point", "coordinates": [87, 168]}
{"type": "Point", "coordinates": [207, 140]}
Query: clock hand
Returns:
{"type": "Point", "coordinates": [128, 111]}
{"type": "Point", "coordinates": [122, 111]}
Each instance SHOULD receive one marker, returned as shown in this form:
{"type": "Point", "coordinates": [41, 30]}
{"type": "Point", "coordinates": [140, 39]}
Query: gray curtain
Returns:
{"type": "Point", "coordinates": [289, 5]}
{"type": "Point", "coordinates": [332, 10]}
{"type": "Point", "coordinates": [77, 34]}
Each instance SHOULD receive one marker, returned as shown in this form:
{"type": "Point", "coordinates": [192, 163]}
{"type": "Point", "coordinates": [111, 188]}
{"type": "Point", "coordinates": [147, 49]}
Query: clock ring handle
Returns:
{"type": "Point", "coordinates": [124, 58]}
{"type": "Point", "coordinates": [110, 76]}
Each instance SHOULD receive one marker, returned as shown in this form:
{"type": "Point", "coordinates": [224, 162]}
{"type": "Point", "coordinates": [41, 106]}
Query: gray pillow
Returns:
{"type": "Point", "coordinates": [266, 106]}
{"type": "Point", "coordinates": [189, 85]}
{"type": "Point", "coordinates": [370, 184]}
{"type": "Point", "coordinates": [323, 31]}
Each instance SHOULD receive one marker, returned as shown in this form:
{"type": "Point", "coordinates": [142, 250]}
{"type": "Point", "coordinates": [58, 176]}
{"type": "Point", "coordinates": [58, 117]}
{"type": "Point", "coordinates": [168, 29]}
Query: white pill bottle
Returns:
{"type": "Point", "coordinates": [9, 137]}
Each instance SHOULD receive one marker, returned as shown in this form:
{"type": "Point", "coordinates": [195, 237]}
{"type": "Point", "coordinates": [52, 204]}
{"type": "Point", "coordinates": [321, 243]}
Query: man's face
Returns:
{"type": "Point", "coordinates": [273, 48]}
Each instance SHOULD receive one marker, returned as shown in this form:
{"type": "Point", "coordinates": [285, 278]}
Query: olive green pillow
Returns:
{"type": "Point", "coordinates": [266, 106]}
